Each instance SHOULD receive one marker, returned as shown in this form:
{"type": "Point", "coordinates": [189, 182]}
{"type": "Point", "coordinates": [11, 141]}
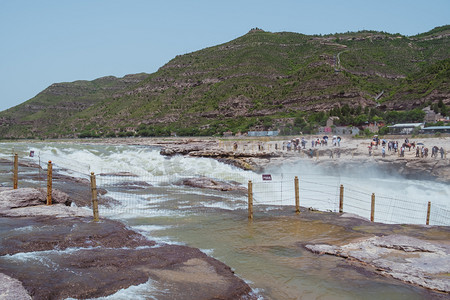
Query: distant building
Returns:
{"type": "Point", "coordinates": [431, 116]}
{"type": "Point", "coordinates": [227, 134]}
{"type": "Point", "coordinates": [436, 129]}
{"type": "Point", "coordinates": [344, 130]}
{"type": "Point", "coordinates": [330, 121]}
{"type": "Point", "coordinates": [322, 129]}
{"type": "Point", "coordinates": [373, 127]}
{"type": "Point", "coordinates": [339, 130]}
{"type": "Point", "coordinates": [406, 128]}
{"type": "Point", "coordinates": [262, 133]}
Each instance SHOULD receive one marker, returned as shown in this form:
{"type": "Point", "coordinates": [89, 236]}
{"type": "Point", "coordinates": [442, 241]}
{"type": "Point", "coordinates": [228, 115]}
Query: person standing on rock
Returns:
{"type": "Point", "coordinates": [442, 152]}
{"type": "Point", "coordinates": [383, 152]}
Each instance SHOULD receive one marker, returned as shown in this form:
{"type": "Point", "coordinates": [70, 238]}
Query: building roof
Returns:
{"type": "Point", "coordinates": [437, 128]}
{"type": "Point", "coordinates": [407, 125]}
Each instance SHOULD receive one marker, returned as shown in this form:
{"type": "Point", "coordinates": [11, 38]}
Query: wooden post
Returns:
{"type": "Point", "coordinates": [341, 199]}
{"type": "Point", "coordinates": [428, 212]}
{"type": "Point", "coordinates": [94, 197]}
{"type": "Point", "coordinates": [372, 209]}
{"type": "Point", "coordinates": [297, 196]}
{"type": "Point", "coordinates": [250, 200]}
{"type": "Point", "coordinates": [49, 183]}
{"type": "Point", "coordinates": [16, 171]}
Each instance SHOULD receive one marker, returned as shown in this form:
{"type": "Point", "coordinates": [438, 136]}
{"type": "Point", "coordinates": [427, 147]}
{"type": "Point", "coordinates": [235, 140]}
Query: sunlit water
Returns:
{"type": "Point", "coordinates": [266, 253]}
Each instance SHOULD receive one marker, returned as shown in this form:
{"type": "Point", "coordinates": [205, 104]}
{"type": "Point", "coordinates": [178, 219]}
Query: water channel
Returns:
{"type": "Point", "coordinates": [265, 252]}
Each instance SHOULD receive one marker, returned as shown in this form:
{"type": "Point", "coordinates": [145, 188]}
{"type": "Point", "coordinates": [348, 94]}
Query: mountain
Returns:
{"type": "Point", "coordinates": [261, 80]}
{"type": "Point", "coordinates": [49, 110]}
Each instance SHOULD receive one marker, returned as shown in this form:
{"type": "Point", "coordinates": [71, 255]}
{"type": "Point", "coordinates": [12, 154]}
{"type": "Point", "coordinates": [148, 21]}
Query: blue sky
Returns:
{"type": "Point", "coordinates": [43, 42]}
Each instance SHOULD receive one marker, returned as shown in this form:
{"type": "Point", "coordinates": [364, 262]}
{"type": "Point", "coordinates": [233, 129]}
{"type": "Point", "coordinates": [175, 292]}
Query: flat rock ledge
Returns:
{"type": "Point", "coordinates": [97, 259]}
{"type": "Point", "coordinates": [405, 258]}
{"type": "Point", "coordinates": [11, 288]}
{"type": "Point", "coordinates": [212, 184]}
{"type": "Point", "coordinates": [26, 202]}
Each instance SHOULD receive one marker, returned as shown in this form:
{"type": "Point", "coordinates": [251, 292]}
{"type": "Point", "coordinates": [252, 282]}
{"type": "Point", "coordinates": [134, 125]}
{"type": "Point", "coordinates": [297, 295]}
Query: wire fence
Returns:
{"type": "Point", "coordinates": [125, 194]}
{"type": "Point", "coordinates": [32, 171]}
{"type": "Point", "coordinates": [142, 193]}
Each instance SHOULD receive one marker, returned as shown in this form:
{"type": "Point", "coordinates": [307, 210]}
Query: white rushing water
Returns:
{"type": "Point", "coordinates": [398, 200]}
{"type": "Point", "coordinates": [151, 201]}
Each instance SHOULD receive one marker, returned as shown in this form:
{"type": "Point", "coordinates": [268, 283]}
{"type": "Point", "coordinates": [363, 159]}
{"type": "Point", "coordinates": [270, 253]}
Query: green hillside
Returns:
{"type": "Point", "coordinates": [261, 80]}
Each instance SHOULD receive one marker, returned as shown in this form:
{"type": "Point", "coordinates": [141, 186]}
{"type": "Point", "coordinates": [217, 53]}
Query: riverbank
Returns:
{"type": "Point", "coordinates": [259, 153]}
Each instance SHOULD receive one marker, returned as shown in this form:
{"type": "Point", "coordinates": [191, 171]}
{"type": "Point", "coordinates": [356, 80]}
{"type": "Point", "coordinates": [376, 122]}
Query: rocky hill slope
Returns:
{"type": "Point", "coordinates": [260, 80]}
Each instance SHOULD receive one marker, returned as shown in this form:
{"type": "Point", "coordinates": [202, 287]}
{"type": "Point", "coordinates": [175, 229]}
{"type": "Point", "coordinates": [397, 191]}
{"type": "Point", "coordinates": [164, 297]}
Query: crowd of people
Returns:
{"type": "Point", "coordinates": [393, 146]}
{"type": "Point", "coordinates": [312, 147]}
{"type": "Point", "coordinates": [298, 144]}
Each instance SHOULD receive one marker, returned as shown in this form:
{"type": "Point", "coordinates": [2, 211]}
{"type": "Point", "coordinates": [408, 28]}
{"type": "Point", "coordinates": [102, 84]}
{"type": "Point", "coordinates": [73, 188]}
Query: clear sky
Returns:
{"type": "Point", "coordinates": [48, 41]}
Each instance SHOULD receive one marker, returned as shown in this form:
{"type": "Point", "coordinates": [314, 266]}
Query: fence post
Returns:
{"type": "Point", "coordinates": [16, 171]}
{"type": "Point", "coordinates": [428, 212]}
{"type": "Point", "coordinates": [49, 183]}
{"type": "Point", "coordinates": [250, 200]}
{"type": "Point", "coordinates": [341, 199]}
{"type": "Point", "coordinates": [297, 196]}
{"type": "Point", "coordinates": [94, 197]}
{"type": "Point", "coordinates": [372, 209]}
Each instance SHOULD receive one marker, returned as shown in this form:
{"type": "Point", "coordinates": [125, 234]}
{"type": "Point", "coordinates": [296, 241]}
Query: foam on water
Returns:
{"type": "Point", "coordinates": [165, 201]}
{"type": "Point", "coordinates": [142, 291]}
{"type": "Point", "coordinates": [319, 189]}
{"type": "Point", "coordinates": [44, 258]}
{"type": "Point", "coordinates": [148, 230]}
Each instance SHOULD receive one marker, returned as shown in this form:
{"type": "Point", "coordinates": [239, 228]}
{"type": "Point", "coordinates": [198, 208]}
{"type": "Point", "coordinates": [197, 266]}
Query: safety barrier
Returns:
{"type": "Point", "coordinates": [138, 194]}
{"type": "Point", "coordinates": [124, 192]}
{"type": "Point", "coordinates": [49, 176]}
{"type": "Point", "coordinates": [339, 198]}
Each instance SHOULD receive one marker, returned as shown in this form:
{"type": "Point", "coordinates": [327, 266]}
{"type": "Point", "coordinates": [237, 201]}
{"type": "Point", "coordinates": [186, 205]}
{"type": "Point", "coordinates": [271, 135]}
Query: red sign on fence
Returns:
{"type": "Point", "coordinates": [266, 177]}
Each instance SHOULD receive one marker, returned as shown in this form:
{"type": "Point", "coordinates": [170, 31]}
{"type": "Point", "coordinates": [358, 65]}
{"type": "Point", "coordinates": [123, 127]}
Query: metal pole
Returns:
{"type": "Point", "coordinates": [94, 197]}
{"type": "Point", "coordinates": [16, 171]}
{"type": "Point", "coordinates": [49, 183]}
{"type": "Point", "coordinates": [372, 209]}
{"type": "Point", "coordinates": [250, 200]}
{"type": "Point", "coordinates": [428, 212]}
{"type": "Point", "coordinates": [341, 199]}
{"type": "Point", "coordinates": [297, 196]}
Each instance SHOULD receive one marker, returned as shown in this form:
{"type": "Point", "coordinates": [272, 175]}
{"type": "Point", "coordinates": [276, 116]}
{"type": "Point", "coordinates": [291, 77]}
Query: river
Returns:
{"type": "Point", "coordinates": [265, 252]}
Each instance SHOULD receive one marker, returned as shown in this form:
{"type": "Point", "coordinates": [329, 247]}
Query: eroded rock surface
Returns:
{"type": "Point", "coordinates": [406, 258]}
{"type": "Point", "coordinates": [47, 255]}
{"type": "Point", "coordinates": [11, 288]}
{"type": "Point", "coordinates": [209, 183]}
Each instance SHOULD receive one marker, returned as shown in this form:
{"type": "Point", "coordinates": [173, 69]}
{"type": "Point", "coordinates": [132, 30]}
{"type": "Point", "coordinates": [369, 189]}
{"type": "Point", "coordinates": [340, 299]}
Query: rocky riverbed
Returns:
{"type": "Point", "coordinates": [86, 259]}
{"type": "Point", "coordinates": [110, 251]}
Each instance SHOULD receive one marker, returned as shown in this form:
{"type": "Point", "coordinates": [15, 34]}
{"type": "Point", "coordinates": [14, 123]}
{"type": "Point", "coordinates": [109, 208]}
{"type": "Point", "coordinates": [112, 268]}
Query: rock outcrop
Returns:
{"type": "Point", "coordinates": [209, 183]}
{"type": "Point", "coordinates": [405, 258]}
{"type": "Point", "coordinates": [11, 288]}
{"type": "Point", "coordinates": [86, 259]}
